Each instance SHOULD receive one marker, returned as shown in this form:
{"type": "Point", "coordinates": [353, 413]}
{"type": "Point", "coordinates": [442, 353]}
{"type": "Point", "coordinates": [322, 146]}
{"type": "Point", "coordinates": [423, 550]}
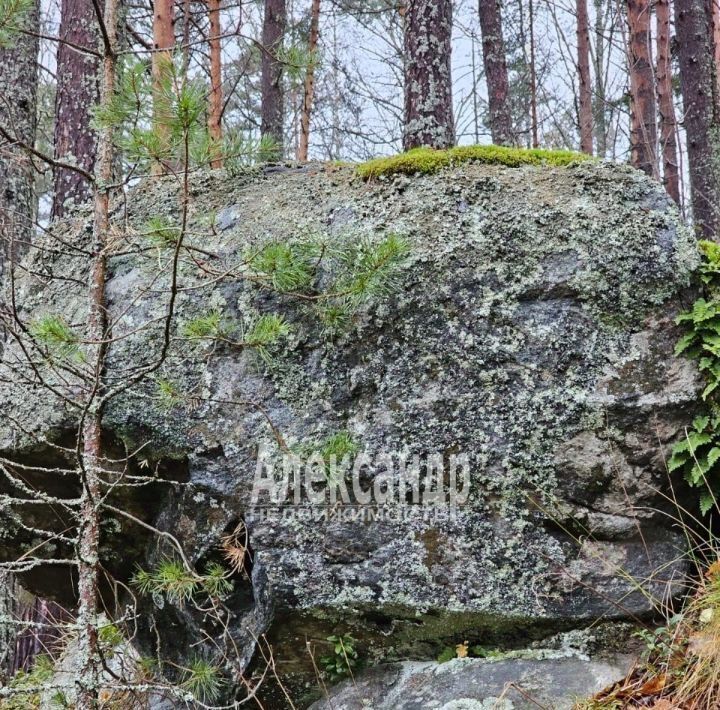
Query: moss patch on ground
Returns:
{"type": "Point", "coordinates": [429, 160]}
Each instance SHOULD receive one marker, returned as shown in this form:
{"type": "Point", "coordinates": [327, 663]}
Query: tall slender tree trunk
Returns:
{"type": "Point", "coordinates": [309, 93]}
{"type": "Point", "coordinates": [163, 44]}
{"type": "Point", "coordinates": [45, 639]}
{"type": "Point", "coordinates": [8, 632]}
{"type": "Point", "coordinates": [643, 138]}
{"type": "Point", "coordinates": [77, 93]}
{"type": "Point", "coordinates": [336, 142]}
{"type": "Point", "coordinates": [599, 99]}
{"type": "Point", "coordinates": [476, 103]}
{"type": "Point", "coordinates": [716, 28]}
{"type": "Point", "coordinates": [496, 74]}
{"type": "Point", "coordinates": [585, 112]}
{"type": "Point", "coordinates": [186, 19]}
{"type": "Point", "coordinates": [272, 109]}
{"type": "Point", "coordinates": [216, 95]}
{"type": "Point", "coordinates": [668, 139]}
{"type": "Point", "coordinates": [18, 108]}
{"type": "Point", "coordinates": [92, 452]}
{"type": "Point", "coordinates": [534, 126]}
{"type": "Point", "coordinates": [428, 79]}
{"type": "Point", "coordinates": [701, 101]}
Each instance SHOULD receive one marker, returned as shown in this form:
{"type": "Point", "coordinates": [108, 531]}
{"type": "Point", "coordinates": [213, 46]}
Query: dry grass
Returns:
{"type": "Point", "coordinates": [681, 667]}
{"type": "Point", "coordinates": [234, 548]}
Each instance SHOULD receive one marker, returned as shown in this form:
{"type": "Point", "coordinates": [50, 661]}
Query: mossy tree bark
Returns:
{"type": "Point", "coordinates": [496, 74]}
{"type": "Point", "coordinates": [701, 99]}
{"type": "Point", "coordinates": [428, 119]}
{"type": "Point", "coordinates": [78, 90]}
{"type": "Point", "coordinates": [18, 106]}
{"type": "Point", "coordinates": [272, 105]}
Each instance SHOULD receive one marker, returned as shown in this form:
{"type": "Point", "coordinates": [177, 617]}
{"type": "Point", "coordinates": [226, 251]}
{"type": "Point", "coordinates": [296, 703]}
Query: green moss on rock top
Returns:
{"type": "Point", "coordinates": [429, 160]}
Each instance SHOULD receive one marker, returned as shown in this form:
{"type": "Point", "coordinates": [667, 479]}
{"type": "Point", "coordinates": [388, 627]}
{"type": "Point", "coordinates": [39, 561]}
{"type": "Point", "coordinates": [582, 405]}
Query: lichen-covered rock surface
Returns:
{"type": "Point", "coordinates": [531, 328]}
{"type": "Point", "coordinates": [516, 683]}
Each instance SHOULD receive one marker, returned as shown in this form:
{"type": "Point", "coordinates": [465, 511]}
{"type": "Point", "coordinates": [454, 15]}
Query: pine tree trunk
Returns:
{"type": "Point", "coordinates": [585, 113]}
{"type": "Point", "coordinates": [272, 108]}
{"type": "Point", "coordinates": [428, 82]}
{"type": "Point", "coordinates": [534, 127]}
{"type": "Point", "coordinates": [309, 93]}
{"type": "Point", "coordinates": [716, 34]}
{"type": "Point", "coordinates": [668, 139]}
{"type": "Point", "coordinates": [186, 19]}
{"type": "Point", "coordinates": [701, 100]}
{"type": "Point", "coordinates": [643, 138]}
{"type": "Point", "coordinates": [18, 109]}
{"type": "Point", "coordinates": [163, 43]}
{"type": "Point", "coordinates": [216, 96]}
{"type": "Point", "coordinates": [18, 106]}
{"type": "Point", "coordinates": [496, 74]}
{"type": "Point", "coordinates": [599, 100]}
{"type": "Point", "coordinates": [92, 452]}
{"type": "Point", "coordinates": [9, 609]}
{"type": "Point", "coordinates": [45, 639]}
{"type": "Point", "coordinates": [77, 93]}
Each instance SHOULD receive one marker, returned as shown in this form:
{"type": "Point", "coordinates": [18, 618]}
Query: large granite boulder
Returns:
{"type": "Point", "coordinates": [530, 328]}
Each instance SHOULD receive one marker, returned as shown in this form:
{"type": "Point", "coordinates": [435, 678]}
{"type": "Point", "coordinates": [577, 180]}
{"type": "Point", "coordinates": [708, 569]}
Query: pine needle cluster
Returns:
{"type": "Point", "coordinates": [337, 278]}
{"type": "Point", "coordinates": [57, 336]}
{"type": "Point", "coordinates": [171, 129]}
{"type": "Point", "coordinates": [13, 17]}
{"type": "Point", "coordinates": [173, 581]}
